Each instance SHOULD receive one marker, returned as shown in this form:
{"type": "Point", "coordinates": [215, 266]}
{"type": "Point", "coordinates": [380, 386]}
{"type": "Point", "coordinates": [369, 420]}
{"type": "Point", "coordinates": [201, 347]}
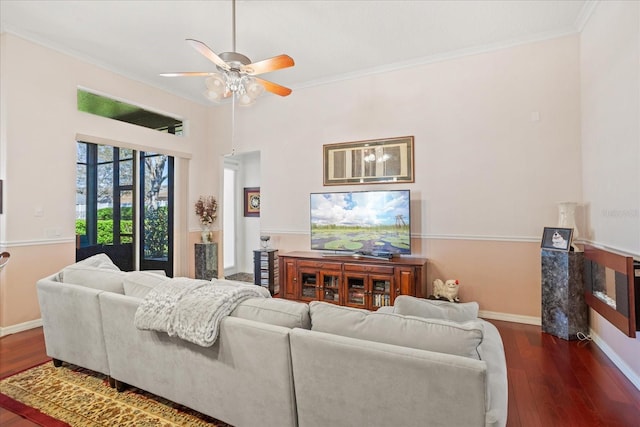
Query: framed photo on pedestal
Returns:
{"type": "Point", "coordinates": [557, 239]}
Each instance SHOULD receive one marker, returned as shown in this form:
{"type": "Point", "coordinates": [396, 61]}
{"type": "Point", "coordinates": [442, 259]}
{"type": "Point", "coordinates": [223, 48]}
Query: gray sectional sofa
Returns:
{"type": "Point", "coordinates": [283, 363]}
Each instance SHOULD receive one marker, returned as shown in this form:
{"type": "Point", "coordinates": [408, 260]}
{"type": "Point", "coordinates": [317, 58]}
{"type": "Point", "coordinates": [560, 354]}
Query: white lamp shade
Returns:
{"type": "Point", "coordinates": [245, 100]}
{"type": "Point", "coordinates": [216, 84]}
{"type": "Point", "coordinates": [213, 95]}
{"type": "Point", "coordinates": [254, 89]}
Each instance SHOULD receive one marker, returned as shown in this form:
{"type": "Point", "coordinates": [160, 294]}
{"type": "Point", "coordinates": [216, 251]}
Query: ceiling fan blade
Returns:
{"type": "Point", "coordinates": [188, 74]}
{"type": "Point", "coordinates": [208, 53]}
{"type": "Point", "coordinates": [274, 87]}
{"type": "Point", "coordinates": [276, 63]}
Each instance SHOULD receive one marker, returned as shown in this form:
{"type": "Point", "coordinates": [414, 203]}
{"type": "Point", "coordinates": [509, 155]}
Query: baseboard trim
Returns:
{"type": "Point", "coordinates": [617, 360]}
{"type": "Point", "coordinates": [13, 329]}
{"type": "Point", "coordinates": [516, 318]}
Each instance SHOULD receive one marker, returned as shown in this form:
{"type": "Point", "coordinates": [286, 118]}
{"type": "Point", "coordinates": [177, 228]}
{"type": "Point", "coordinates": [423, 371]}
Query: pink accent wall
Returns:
{"type": "Point", "coordinates": [28, 264]}
{"type": "Point", "coordinates": [502, 276]}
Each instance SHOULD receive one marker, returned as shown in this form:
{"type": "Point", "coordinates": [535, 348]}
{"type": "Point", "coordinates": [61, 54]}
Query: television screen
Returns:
{"type": "Point", "coordinates": [363, 222]}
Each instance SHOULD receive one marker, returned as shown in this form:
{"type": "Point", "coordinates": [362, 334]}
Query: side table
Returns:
{"type": "Point", "coordinates": [265, 269]}
{"type": "Point", "coordinates": [564, 309]}
{"type": "Point", "coordinates": [206, 255]}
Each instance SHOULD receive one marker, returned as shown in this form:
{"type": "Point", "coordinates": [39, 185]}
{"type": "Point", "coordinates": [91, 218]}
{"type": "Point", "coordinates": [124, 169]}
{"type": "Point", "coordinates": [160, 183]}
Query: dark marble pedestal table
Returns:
{"type": "Point", "coordinates": [206, 260]}
{"type": "Point", "coordinates": [564, 310]}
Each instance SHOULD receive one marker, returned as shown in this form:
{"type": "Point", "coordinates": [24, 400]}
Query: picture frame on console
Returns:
{"type": "Point", "coordinates": [372, 161]}
{"type": "Point", "coordinates": [557, 239]}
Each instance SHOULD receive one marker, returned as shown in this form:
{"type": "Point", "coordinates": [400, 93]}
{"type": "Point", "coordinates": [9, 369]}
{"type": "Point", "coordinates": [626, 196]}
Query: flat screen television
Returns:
{"type": "Point", "coordinates": [376, 223]}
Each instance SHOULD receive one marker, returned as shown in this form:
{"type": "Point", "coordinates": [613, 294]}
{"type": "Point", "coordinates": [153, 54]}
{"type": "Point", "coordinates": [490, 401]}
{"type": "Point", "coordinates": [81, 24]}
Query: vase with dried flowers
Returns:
{"type": "Point", "coordinates": [207, 211]}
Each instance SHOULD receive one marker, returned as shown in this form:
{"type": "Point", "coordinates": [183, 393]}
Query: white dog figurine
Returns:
{"type": "Point", "coordinates": [558, 241]}
{"type": "Point", "coordinates": [448, 289]}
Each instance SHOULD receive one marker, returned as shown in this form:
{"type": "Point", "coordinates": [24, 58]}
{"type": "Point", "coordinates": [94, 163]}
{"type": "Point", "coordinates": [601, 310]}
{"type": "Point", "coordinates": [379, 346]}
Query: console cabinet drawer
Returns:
{"type": "Point", "coordinates": [367, 268]}
{"type": "Point", "coordinates": [320, 265]}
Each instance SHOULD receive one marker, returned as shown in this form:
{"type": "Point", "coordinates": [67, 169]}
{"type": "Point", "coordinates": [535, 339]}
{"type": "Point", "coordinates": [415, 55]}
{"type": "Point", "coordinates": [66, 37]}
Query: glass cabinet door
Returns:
{"type": "Point", "coordinates": [380, 291]}
{"type": "Point", "coordinates": [308, 284]}
{"type": "Point", "coordinates": [356, 290]}
{"type": "Point", "coordinates": [330, 287]}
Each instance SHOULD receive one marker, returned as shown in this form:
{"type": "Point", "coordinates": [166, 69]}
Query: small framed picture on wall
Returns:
{"type": "Point", "coordinates": [252, 201]}
{"type": "Point", "coordinates": [557, 239]}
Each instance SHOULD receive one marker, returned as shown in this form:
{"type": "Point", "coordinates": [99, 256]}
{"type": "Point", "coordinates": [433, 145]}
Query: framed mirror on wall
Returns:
{"type": "Point", "coordinates": [369, 162]}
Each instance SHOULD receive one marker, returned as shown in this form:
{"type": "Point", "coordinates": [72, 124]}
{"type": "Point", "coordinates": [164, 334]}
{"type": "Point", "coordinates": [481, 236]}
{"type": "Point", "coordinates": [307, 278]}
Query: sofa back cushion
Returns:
{"type": "Point", "coordinates": [275, 311]}
{"type": "Point", "coordinates": [99, 261]}
{"type": "Point", "coordinates": [437, 335]}
{"type": "Point", "coordinates": [94, 277]}
{"type": "Point", "coordinates": [435, 309]}
{"type": "Point", "coordinates": [139, 283]}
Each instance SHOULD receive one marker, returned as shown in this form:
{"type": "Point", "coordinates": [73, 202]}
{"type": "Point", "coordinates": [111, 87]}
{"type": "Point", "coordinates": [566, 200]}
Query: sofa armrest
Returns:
{"type": "Point", "coordinates": [491, 350]}
{"type": "Point", "coordinates": [72, 324]}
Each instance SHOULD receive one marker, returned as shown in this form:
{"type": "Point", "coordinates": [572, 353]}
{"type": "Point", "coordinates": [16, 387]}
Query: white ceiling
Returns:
{"type": "Point", "coordinates": [329, 40]}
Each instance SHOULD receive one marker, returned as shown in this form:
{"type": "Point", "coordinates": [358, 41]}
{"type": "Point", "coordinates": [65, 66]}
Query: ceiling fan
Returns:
{"type": "Point", "coordinates": [236, 73]}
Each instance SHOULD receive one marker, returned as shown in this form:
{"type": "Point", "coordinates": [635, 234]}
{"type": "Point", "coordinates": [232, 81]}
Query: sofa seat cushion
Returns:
{"type": "Point", "coordinates": [437, 335]}
{"type": "Point", "coordinates": [435, 309]}
{"type": "Point", "coordinates": [280, 312]}
{"type": "Point", "coordinates": [139, 283]}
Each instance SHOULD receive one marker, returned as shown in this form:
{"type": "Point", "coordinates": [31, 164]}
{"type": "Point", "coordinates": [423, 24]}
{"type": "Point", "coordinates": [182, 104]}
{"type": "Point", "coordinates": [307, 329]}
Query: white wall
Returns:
{"type": "Point", "coordinates": [488, 174]}
{"type": "Point", "coordinates": [484, 167]}
{"type": "Point", "coordinates": [39, 124]}
{"type": "Point", "coordinates": [610, 89]}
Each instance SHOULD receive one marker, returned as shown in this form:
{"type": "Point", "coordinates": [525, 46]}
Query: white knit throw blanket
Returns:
{"type": "Point", "coordinates": [192, 309]}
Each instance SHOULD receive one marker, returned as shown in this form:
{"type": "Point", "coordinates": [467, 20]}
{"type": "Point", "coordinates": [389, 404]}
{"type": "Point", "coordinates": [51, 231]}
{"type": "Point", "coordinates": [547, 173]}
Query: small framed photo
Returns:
{"type": "Point", "coordinates": [557, 239]}
{"type": "Point", "coordinates": [252, 201]}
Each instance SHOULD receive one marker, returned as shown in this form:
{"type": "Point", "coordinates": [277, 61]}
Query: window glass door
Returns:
{"type": "Point", "coordinates": [105, 206]}
{"type": "Point", "coordinates": [104, 203]}
{"type": "Point", "coordinates": [156, 212]}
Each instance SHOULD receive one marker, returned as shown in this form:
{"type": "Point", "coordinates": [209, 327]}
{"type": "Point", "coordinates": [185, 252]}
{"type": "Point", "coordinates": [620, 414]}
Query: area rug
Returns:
{"type": "Point", "coordinates": [73, 396]}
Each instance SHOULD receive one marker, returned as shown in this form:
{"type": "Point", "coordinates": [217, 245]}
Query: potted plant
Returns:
{"type": "Point", "coordinates": [207, 211]}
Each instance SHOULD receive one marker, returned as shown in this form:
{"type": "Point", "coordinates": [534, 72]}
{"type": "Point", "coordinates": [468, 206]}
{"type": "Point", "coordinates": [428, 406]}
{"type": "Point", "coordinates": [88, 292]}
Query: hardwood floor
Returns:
{"type": "Point", "coordinates": [552, 382]}
{"type": "Point", "coordinates": [17, 353]}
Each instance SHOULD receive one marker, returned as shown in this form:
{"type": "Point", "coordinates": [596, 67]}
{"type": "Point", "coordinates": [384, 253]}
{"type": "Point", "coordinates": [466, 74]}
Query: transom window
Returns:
{"type": "Point", "coordinates": [124, 112]}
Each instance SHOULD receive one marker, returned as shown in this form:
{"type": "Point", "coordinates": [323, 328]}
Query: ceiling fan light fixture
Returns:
{"type": "Point", "coordinates": [216, 83]}
{"type": "Point", "coordinates": [235, 72]}
{"type": "Point", "coordinates": [213, 96]}
{"type": "Point", "coordinates": [253, 88]}
{"type": "Point", "coordinates": [245, 100]}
